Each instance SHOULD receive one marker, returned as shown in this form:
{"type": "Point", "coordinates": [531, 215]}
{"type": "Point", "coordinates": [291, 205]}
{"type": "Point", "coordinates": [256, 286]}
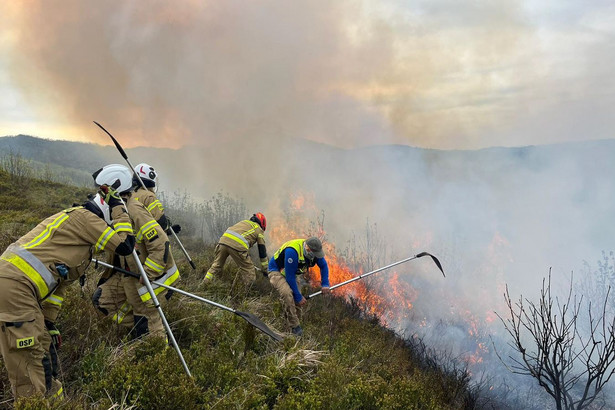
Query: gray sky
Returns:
{"type": "Point", "coordinates": [430, 73]}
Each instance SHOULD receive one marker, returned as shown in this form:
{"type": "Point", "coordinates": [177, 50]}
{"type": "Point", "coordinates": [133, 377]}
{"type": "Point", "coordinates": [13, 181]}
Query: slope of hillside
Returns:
{"type": "Point", "coordinates": [345, 360]}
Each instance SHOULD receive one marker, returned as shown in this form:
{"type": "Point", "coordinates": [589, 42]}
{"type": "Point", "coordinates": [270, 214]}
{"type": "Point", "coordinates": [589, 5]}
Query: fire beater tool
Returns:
{"type": "Point", "coordinates": [420, 255]}
{"type": "Point", "coordinates": [249, 317]}
{"type": "Point", "coordinates": [123, 153]}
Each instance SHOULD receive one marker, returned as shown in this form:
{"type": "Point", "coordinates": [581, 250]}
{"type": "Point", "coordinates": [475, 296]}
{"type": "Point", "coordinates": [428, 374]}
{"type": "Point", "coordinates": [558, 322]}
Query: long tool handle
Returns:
{"type": "Point", "coordinates": [437, 262]}
{"type": "Point", "coordinates": [148, 285]}
{"type": "Point", "coordinates": [249, 317]}
{"type": "Point", "coordinates": [183, 249]}
{"type": "Point", "coordinates": [134, 275]}
{"type": "Point", "coordinates": [125, 156]}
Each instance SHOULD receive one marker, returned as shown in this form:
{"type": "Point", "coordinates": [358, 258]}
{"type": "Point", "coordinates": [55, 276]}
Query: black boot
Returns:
{"type": "Point", "coordinates": [140, 328]}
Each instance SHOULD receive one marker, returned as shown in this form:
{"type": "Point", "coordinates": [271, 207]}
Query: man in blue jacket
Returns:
{"type": "Point", "coordinates": [291, 260]}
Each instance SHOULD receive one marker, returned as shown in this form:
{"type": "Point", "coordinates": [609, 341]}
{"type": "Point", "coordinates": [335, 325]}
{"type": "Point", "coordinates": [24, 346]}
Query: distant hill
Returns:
{"type": "Point", "coordinates": [69, 154]}
{"type": "Point", "coordinates": [413, 177]}
{"type": "Point", "coordinates": [306, 163]}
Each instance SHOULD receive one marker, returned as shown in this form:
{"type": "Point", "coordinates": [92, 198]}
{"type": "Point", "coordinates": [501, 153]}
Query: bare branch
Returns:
{"type": "Point", "coordinates": [571, 365]}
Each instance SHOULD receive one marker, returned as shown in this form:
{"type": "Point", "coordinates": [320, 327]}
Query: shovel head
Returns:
{"type": "Point", "coordinates": [435, 260]}
{"type": "Point", "coordinates": [260, 325]}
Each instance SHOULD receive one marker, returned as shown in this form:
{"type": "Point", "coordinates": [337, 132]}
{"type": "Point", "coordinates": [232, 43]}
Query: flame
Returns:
{"type": "Point", "coordinates": [298, 201]}
{"type": "Point", "coordinates": [479, 324]}
{"type": "Point", "coordinates": [386, 296]}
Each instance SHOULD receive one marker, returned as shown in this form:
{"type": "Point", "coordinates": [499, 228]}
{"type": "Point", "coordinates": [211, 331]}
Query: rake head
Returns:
{"type": "Point", "coordinates": [260, 325]}
{"type": "Point", "coordinates": [435, 260]}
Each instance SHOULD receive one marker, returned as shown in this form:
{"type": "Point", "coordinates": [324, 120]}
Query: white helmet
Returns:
{"type": "Point", "coordinates": [147, 173]}
{"type": "Point", "coordinates": [100, 203]}
{"type": "Point", "coordinates": [116, 176]}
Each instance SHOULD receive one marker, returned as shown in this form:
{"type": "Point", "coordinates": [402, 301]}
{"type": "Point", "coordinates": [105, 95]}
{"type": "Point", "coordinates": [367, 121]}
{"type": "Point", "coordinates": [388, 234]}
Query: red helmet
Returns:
{"type": "Point", "coordinates": [260, 219]}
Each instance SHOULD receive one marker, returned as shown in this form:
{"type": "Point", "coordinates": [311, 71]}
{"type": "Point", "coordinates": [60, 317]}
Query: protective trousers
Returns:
{"type": "Point", "coordinates": [292, 311]}
{"type": "Point", "coordinates": [241, 258]}
{"type": "Point", "coordinates": [119, 298]}
{"type": "Point", "coordinates": [25, 342]}
{"type": "Point", "coordinates": [110, 299]}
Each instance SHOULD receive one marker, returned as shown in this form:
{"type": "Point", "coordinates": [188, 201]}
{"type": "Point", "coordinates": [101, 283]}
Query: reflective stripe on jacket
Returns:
{"type": "Point", "coordinates": [237, 237]}
{"type": "Point", "coordinates": [168, 279]}
{"type": "Point", "coordinates": [243, 235]}
{"type": "Point", "coordinates": [29, 264]}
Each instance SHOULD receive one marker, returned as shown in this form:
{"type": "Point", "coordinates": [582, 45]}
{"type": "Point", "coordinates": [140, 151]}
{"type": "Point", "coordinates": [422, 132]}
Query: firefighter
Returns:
{"type": "Point", "coordinates": [35, 272]}
{"type": "Point", "coordinates": [126, 296]}
{"type": "Point", "coordinates": [291, 260]}
{"type": "Point", "coordinates": [114, 303]}
{"type": "Point", "coordinates": [236, 242]}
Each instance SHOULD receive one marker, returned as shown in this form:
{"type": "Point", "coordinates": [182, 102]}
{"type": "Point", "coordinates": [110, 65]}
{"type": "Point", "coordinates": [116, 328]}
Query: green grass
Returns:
{"type": "Point", "coordinates": [344, 360]}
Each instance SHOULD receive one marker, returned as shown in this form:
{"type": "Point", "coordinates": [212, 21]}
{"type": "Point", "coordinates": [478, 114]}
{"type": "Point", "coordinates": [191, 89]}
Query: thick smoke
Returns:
{"type": "Point", "coordinates": [437, 74]}
{"type": "Point", "coordinates": [350, 73]}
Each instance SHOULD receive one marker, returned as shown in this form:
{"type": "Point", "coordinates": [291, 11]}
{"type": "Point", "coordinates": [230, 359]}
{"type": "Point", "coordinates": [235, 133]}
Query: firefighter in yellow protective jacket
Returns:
{"type": "Point", "coordinates": [34, 274]}
{"type": "Point", "coordinates": [126, 297]}
{"type": "Point", "coordinates": [114, 303]}
{"type": "Point", "coordinates": [147, 196]}
{"type": "Point", "coordinates": [236, 242]}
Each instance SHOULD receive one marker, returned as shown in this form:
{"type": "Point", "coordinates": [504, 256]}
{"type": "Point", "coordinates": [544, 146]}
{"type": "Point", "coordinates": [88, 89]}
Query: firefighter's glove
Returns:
{"type": "Point", "coordinates": [113, 202]}
{"type": "Point", "coordinates": [176, 228]}
{"type": "Point", "coordinates": [265, 268]}
{"type": "Point", "coordinates": [325, 290]}
{"type": "Point", "coordinates": [169, 293]}
{"type": "Point", "coordinates": [56, 337]}
{"type": "Point", "coordinates": [112, 197]}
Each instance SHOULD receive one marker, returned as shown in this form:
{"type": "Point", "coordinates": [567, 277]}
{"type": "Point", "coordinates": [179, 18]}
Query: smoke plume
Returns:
{"type": "Point", "coordinates": [348, 74]}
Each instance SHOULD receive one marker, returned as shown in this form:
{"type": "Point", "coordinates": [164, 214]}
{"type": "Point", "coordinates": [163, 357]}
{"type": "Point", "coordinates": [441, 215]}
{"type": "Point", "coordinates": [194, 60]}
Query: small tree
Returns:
{"type": "Point", "coordinates": [573, 367]}
{"type": "Point", "coordinates": [220, 212]}
{"type": "Point", "coordinates": [207, 219]}
{"type": "Point", "coordinates": [595, 282]}
{"type": "Point", "coordinates": [366, 252]}
{"type": "Point", "coordinates": [18, 167]}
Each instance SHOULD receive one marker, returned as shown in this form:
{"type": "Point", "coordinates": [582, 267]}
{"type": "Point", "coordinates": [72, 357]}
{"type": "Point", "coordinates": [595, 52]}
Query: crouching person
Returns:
{"type": "Point", "coordinates": [126, 298]}
{"type": "Point", "coordinates": [34, 274]}
{"type": "Point", "coordinates": [236, 243]}
{"type": "Point", "coordinates": [288, 263]}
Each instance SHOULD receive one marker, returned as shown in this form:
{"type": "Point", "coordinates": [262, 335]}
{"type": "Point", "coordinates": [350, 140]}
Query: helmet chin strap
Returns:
{"type": "Point", "coordinates": [149, 184]}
